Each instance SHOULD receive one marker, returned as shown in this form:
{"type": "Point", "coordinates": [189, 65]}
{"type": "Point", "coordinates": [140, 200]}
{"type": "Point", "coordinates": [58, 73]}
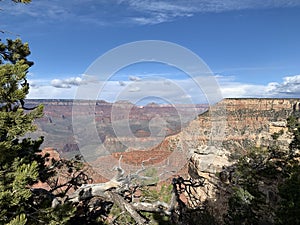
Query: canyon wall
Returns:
{"type": "Point", "coordinates": [59, 115]}
{"type": "Point", "coordinates": [214, 139]}
{"type": "Point", "coordinates": [249, 123]}
{"type": "Point", "coordinates": [229, 128]}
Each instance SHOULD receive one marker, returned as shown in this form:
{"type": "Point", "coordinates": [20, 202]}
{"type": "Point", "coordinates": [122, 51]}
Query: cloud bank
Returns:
{"type": "Point", "coordinates": [176, 90]}
{"type": "Point", "coordinates": [288, 88]}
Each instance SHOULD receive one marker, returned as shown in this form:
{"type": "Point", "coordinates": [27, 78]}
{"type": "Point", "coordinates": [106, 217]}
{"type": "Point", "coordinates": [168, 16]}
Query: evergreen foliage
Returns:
{"type": "Point", "coordinates": [289, 191]}
{"type": "Point", "coordinates": [20, 165]}
{"type": "Point", "coordinates": [21, 161]}
{"type": "Point", "coordinates": [266, 182]}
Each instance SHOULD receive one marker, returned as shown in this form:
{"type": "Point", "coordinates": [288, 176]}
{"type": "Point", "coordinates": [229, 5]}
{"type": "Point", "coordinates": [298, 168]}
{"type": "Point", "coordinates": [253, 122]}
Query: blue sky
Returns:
{"type": "Point", "coordinates": [252, 47]}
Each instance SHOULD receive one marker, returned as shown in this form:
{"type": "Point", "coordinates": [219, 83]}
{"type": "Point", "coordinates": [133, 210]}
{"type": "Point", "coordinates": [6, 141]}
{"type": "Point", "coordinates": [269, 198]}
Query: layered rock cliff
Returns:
{"type": "Point", "coordinates": [216, 138]}
{"type": "Point", "coordinates": [233, 126]}
{"type": "Point", "coordinates": [213, 140]}
{"type": "Point", "coordinates": [249, 123]}
{"type": "Point", "coordinates": [228, 129]}
{"type": "Point", "coordinates": [57, 125]}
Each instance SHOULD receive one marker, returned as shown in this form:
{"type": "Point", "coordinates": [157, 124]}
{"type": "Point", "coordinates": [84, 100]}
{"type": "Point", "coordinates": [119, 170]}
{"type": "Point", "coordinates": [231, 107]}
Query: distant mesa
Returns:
{"type": "Point", "coordinates": [56, 125]}
{"type": "Point", "coordinates": [152, 104]}
{"type": "Point", "coordinates": [123, 102]}
{"type": "Point", "coordinates": [248, 122]}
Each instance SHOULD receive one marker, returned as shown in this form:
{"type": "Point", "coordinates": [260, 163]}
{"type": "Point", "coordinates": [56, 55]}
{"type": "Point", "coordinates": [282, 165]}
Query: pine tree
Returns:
{"type": "Point", "coordinates": [266, 182]}
{"type": "Point", "coordinates": [289, 210]}
{"type": "Point", "coordinates": [21, 164]}
{"type": "Point", "coordinates": [21, 161]}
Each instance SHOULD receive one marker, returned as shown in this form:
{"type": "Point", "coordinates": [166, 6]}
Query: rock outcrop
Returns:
{"type": "Point", "coordinates": [249, 123]}
{"type": "Point", "coordinates": [213, 140]}
{"type": "Point", "coordinates": [246, 123]}
{"type": "Point", "coordinates": [222, 134]}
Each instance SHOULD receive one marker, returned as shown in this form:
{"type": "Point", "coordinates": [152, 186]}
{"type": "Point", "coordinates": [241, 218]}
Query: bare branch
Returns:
{"type": "Point", "coordinates": [160, 207]}
{"type": "Point", "coordinates": [125, 206]}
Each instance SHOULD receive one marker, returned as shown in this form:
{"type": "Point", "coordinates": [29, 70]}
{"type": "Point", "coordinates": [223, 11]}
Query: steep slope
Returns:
{"type": "Point", "coordinates": [216, 137]}
{"type": "Point", "coordinates": [250, 122]}
{"type": "Point", "coordinates": [246, 123]}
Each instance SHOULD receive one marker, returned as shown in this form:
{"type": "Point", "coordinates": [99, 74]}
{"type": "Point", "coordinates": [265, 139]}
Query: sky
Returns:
{"type": "Point", "coordinates": [251, 47]}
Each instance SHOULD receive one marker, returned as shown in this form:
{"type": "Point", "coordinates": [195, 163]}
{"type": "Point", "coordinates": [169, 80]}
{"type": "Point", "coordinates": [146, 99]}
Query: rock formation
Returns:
{"type": "Point", "coordinates": [213, 140]}
{"type": "Point", "coordinates": [250, 123]}
{"type": "Point", "coordinates": [56, 125]}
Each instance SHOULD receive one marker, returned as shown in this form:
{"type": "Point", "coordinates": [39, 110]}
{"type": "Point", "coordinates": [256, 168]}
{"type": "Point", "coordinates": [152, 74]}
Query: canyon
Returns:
{"type": "Point", "coordinates": [196, 149]}
{"type": "Point", "coordinates": [59, 115]}
{"type": "Point", "coordinates": [218, 135]}
{"type": "Point", "coordinates": [232, 125]}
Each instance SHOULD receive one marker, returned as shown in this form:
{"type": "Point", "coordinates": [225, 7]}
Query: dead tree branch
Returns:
{"type": "Point", "coordinates": [120, 190]}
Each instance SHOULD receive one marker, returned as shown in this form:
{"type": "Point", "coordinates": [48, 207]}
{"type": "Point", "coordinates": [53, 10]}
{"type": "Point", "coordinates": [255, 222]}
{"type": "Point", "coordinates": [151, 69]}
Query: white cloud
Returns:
{"type": "Point", "coordinates": [134, 78]}
{"type": "Point", "coordinates": [158, 11]}
{"type": "Point", "coordinates": [141, 12]}
{"type": "Point", "coordinates": [122, 83]}
{"type": "Point", "coordinates": [239, 90]}
{"type": "Point", "coordinates": [290, 87]}
{"type": "Point", "coordinates": [50, 92]}
{"type": "Point", "coordinates": [41, 9]}
{"type": "Point", "coordinates": [59, 84]}
{"type": "Point", "coordinates": [182, 91]}
{"type": "Point", "coordinates": [173, 91]}
{"type": "Point", "coordinates": [57, 88]}
{"type": "Point", "coordinates": [135, 89]}
{"type": "Point", "coordinates": [67, 83]}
